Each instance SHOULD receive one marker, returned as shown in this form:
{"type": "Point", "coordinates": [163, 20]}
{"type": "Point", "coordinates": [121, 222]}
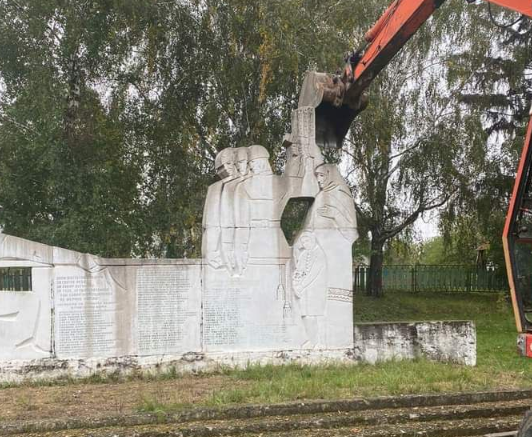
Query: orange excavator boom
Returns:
{"type": "Point", "coordinates": [342, 99]}
{"type": "Point", "coordinates": [393, 29]}
{"type": "Point", "coordinates": [338, 99]}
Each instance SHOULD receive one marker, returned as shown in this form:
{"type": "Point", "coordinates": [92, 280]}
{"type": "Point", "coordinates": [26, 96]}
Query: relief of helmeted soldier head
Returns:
{"type": "Point", "coordinates": [259, 160]}
{"type": "Point", "coordinates": [242, 161]}
{"type": "Point", "coordinates": [225, 163]}
{"type": "Point", "coordinates": [322, 176]}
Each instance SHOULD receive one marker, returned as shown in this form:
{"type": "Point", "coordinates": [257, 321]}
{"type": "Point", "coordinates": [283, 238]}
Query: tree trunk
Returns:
{"type": "Point", "coordinates": [374, 283]}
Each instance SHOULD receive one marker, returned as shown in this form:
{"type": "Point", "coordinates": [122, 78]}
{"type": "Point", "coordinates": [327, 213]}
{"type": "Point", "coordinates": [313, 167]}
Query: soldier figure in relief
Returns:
{"type": "Point", "coordinates": [232, 252]}
{"type": "Point", "coordinates": [332, 219]}
{"type": "Point", "coordinates": [260, 200]}
{"type": "Point", "coordinates": [212, 231]}
{"type": "Point", "coordinates": [309, 283]}
{"type": "Point", "coordinates": [241, 237]}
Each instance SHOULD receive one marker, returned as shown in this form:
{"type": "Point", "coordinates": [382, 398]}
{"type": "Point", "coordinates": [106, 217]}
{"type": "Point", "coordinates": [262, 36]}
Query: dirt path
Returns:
{"type": "Point", "coordinates": [103, 400]}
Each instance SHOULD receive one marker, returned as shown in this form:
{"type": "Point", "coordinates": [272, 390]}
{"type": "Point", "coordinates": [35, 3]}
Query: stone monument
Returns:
{"type": "Point", "coordinates": [253, 297]}
{"type": "Point", "coordinates": [260, 292]}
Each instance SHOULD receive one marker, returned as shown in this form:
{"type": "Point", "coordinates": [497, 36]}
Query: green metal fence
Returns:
{"type": "Point", "coordinates": [421, 277]}
{"type": "Point", "coordinates": [15, 279]}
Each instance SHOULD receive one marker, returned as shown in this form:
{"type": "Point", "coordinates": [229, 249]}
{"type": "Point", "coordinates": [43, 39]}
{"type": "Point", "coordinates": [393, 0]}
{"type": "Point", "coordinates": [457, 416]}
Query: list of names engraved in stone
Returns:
{"type": "Point", "coordinates": [163, 293]}
{"type": "Point", "coordinates": [85, 316]}
{"type": "Point", "coordinates": [269, 334]}
{"type": "Point", "coordinates": [221, 317]}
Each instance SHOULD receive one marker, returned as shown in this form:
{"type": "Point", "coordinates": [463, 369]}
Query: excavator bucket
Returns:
{"type": "Point", "coordinates": [334, 115]}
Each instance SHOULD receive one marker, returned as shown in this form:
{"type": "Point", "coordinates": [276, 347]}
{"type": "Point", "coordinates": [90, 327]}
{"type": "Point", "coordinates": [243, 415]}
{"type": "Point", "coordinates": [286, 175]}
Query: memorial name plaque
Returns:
{"type": "Point", "coordinates": [167, 309]}
{"type": "Point", "coordinates": [222, 323]}
{"type": "Point", "coordinates": [244, 318]}
{"type": "Point", "coordinates": [85, 316]}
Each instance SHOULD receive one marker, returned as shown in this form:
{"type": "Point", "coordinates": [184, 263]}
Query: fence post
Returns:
{"type": "Point", "coordinates": [469, 282]}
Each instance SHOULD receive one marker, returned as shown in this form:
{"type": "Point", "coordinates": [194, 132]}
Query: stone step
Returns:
{"type": "Point", "coordinates": [365, 419]}
{"type": "Point", "coordinates": [281, 409]}
{"type": "Point", "coordinates": [502, 434]}
{"type": "Point", "coordinates": [472, 419]}
{"type": "Point", "coordinates": [456, 428]}
{"type": "Point", "coordinates": [441, 428]}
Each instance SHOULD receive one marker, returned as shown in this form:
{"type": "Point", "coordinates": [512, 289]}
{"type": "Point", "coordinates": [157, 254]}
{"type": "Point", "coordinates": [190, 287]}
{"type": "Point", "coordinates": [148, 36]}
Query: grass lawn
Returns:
{"type": "Point", "coordinates": [498, 365]}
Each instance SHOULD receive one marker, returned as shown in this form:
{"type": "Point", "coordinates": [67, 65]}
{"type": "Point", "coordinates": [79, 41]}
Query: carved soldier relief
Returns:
{"type": "Point", "coordinates": [252, 295]}
{"type": "Point", "coordinates": [309, 284]}
{"type": "Point", "coordinates": [298, 295]}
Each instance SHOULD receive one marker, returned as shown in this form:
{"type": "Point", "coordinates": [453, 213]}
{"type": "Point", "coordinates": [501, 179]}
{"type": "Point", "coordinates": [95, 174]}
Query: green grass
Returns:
{"type": "Point", "coordinates": [159, 407]}
{"type": "Point", "coordinates": [294, 382]}
{"type": "Point", "coordinates": [499, 366]}
{"type": "Point", "coordinates": [492, 314]}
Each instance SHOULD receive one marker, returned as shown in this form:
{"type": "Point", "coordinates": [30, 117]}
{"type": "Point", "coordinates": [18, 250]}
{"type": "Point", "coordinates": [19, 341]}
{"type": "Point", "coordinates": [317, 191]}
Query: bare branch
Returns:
{"type": "Point", "coordinates": [362, 216]}
{"type": "Point", "coordinates": [408, 149]}
{"type": "Point", "coordinates": [26, 129]}
{"type": "Point", "coordinates": [415, 214]}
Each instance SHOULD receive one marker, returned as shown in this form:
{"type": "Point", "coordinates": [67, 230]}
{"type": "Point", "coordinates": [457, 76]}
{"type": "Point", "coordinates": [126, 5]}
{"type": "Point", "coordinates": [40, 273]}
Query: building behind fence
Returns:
{"type": "Point", "coordinates": [421, 277]}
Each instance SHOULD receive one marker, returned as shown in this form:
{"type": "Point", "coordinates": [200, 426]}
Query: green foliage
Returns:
{"type": "Point", "coordinates": [434, 252]}
{"type": "Point", "coordinates": [408, 151]}
{"type": "Point", "coordinates": [495, 89]}
{"type": "Point", "coordinates": [401, 251]}
{"type": "Point", "coordinates": [111, 113]}
{"type": "Point", "coordinates": [460, 248]}
{"type": "Point", "coordinates": [446, 132]}
{"type": "Point", "coordinates": [66, 174]}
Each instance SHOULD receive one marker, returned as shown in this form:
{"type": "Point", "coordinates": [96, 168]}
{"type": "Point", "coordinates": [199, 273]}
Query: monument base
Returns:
{"type": "Point", "coordinates": [190, 363]}
{"type": "Point", "coordinates": [449, 342]}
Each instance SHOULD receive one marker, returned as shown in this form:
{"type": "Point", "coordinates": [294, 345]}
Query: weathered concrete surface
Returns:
{"type": "Point", "coordinates": [192, 362]}
{"type": "Point", "coordinates": [453, 341]}
{"type": "Point", "coordinates": [83, 307]}
{"type": "Point", "coordinates": [252, 297]}
{"type": "Point", "coordinates": [260, 293]}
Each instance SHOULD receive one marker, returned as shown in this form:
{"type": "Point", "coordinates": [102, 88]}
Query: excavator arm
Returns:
{"type": "Point", "coordinates": [400, 21]}
{"type": "Point", "coordinates": [390, 33]}
{"type": "Point", "coordinates": [338, 99]}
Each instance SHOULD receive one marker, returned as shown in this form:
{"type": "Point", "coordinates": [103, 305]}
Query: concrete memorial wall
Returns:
{"type": "Point", "coordinates": [82, 307]}
{"type": "Point", "coordinates": [259, 292]}
{"type": "Point", "coordinates": [251, 291]}
{"type": "Point", "coordinates": [252, 296]}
